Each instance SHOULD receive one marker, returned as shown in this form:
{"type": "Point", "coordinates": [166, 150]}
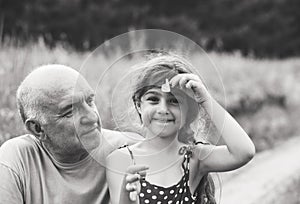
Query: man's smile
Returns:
{"type": "Point", "coordinates": [91, 130]}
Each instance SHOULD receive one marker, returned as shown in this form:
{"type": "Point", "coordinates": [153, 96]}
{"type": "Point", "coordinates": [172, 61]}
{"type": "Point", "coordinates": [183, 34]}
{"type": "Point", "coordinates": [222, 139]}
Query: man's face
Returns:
{"type": "Point", "coordinates": [73, 124]}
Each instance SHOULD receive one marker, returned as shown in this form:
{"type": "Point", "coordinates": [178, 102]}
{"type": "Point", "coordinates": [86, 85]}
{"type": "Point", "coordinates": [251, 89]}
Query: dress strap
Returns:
{"type": "Point", "coordinates": [187, 152]}
{"type": "Point", "coordinates": [130, 152]}
{"type": "Point", "coordinates": [200, 142]}
{"type": "Point", "coordinates": [131, 155]}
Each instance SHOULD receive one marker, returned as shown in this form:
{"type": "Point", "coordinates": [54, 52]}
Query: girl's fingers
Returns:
{"type": "Point", "coordinates": [130, 178]}
{"type": "Point", "coordinates": [134, 174]}
{"type": "Point", "coordinates": [130, 187]}
{"type": "Point", "coordinates": [136, 168]}
{"type": "Point", "coordinates": [174, 81]}
{"type": "Point", "coordinates": [182, 79]}
{"type": "Point", "coordinates": [182, 82]}
{"type": "Point", "coordinates": [191, 84]}
{"type": "Point", "coordinates": [133, 196]}
{"type": "Point", "coordinates": [142, 174]}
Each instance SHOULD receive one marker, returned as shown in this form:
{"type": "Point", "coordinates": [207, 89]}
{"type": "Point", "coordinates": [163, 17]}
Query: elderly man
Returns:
{"type": "Point", "coordinates": [62, 160]}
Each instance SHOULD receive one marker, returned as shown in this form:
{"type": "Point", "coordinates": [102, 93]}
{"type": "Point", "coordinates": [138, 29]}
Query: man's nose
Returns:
{"type": "Point", "coordinates": [89, 115]}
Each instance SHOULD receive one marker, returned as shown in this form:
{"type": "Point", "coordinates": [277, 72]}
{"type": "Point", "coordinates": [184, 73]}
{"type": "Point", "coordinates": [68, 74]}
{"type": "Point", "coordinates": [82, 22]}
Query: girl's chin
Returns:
{"type": "Point", "coordinates": [163, 134]}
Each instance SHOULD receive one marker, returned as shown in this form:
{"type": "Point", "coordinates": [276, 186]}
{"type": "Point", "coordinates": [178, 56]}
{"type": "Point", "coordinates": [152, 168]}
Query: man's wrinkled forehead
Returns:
{"type": "Point", "coordinates": [75, 97]}
{"type": "Point", "coordinates": [71, 88]}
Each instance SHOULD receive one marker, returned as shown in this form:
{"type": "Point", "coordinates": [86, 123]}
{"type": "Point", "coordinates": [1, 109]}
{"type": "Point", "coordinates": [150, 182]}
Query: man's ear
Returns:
{"type": "Point", "coordinates": [35, 128]}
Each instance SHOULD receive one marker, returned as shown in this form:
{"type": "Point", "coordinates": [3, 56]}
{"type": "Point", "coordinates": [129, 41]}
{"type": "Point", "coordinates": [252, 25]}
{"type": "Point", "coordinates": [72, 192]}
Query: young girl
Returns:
{"type": "Point", "coordinates": [170, 166]}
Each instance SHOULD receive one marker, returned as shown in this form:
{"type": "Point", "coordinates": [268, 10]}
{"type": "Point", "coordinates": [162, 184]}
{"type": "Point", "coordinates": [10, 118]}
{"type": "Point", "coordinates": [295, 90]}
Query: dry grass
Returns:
{"type": "Point", "coordinates": [261, 94]}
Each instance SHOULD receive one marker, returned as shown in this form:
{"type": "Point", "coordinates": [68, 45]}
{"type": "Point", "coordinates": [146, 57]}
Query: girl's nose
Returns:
{"type": "Point", "coordinates": [163, 107]}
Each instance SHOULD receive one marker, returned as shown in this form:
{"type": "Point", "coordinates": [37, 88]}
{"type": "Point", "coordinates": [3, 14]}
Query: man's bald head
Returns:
{"type": "Point", "coordinates": [41, 87]}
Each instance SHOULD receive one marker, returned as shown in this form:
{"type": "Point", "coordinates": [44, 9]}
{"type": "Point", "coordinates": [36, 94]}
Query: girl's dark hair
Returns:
{"type": "Point", "coordinates": [206, 190]}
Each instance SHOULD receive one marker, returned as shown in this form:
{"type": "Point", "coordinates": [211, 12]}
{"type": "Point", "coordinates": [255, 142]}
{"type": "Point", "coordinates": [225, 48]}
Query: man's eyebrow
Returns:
{"type": "Point", "coordinates": [66, 104]}
{"type": "Point", "coordinates": [69, 101]}
{"type": "Point", "coordinates": [67, 107]}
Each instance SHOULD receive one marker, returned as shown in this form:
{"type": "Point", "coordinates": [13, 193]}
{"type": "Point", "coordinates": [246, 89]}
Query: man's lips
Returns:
{"type": "Point", "coordinates": [91, 130]}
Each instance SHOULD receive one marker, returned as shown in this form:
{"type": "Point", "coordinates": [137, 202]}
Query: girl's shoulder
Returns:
{"type": "Point", "coordinates": [121, 152]}
{"type": "Point", "coordinates": [119, 159]}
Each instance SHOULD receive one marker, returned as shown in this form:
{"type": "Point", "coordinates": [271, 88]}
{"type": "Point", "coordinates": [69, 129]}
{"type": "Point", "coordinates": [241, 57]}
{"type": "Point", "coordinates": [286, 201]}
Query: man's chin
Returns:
{"type": "Point", "coordinates": [91, 141]}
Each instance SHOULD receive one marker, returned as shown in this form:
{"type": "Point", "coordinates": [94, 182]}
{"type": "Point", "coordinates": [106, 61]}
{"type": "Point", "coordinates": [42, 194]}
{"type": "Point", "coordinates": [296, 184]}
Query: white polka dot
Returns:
{"type": "Point", "coordinates": [180, 190]}
{"type": "Point", "coordinates": [147, 201]}
{"type": "Point", "coordinates": [154, 197]}
{"type": "Point", "coordinates": [148, 190]}
{"type": "Point", "coordinates": [169, 202]}
{"type": "Point", "coordinates": [186, 199]}
{"type": "Point", "coordinates": [144, 184]}
{"type": "Point", "coordinates": [171, 191]}
{"type": "Point", "coordinates": [177, 202]}
{"type": "Point", "coordinates": [166, 197]}
{"type": "Point", "coordinates": [161, 192]}
{"type": "Point", "coordinates": [158, 202]}
{"type": "Point", "coordinates": [176, 195]}
{"type": "Point", "coordinates": [142, 194]}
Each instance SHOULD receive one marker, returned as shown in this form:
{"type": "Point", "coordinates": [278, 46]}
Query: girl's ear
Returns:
{"type": "Point", "coordinates": [138, 107]}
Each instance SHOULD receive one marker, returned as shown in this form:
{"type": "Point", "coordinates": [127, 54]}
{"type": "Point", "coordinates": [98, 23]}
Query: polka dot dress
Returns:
{"type": "Point", "coordinates": [176, 194]}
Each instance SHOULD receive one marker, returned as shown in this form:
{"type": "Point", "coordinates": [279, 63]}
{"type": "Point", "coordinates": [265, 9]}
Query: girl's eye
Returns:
{"type": "Point", "coordinates": [173, 101]}
{"type": "Point", "coordinates": [152, 99]}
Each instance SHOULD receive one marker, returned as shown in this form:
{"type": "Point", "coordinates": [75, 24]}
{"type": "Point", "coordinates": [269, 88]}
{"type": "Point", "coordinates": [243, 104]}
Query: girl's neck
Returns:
{"type": "Point", "coordinates": [157, 144]}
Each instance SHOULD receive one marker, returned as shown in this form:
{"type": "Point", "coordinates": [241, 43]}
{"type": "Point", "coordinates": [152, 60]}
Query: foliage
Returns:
{"type": "Point", "coordinates": [265, 28]}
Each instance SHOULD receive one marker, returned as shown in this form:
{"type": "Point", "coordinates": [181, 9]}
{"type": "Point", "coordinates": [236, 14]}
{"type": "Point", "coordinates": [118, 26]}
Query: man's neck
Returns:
{"type": "Point", "coordinates": [66, 157]}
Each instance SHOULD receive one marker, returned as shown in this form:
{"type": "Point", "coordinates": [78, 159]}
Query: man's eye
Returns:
{"type": "Point", "coordinates": [90, 102]}
{"type": "Point", "coordinates": [68, 114]}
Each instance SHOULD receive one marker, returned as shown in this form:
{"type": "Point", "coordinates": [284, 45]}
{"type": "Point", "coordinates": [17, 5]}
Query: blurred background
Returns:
{"type": "Point", "coordinates": [255, 45]}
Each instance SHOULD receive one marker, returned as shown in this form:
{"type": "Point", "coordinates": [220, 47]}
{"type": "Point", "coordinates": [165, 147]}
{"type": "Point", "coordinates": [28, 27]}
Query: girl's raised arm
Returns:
{"type": "Point", "coordinates": [238, 148]}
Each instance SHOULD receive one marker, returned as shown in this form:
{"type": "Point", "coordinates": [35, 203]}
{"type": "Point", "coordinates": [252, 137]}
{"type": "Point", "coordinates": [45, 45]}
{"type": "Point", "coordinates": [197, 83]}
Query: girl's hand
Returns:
{"type": "Point", "coordinates": [192, 85]}
{"type": "Point", "coordinates": [132, 180]}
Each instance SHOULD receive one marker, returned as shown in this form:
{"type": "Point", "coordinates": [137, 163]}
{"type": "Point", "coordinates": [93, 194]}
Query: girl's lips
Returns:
{"type": "Point", "coordinates": [163, 120]}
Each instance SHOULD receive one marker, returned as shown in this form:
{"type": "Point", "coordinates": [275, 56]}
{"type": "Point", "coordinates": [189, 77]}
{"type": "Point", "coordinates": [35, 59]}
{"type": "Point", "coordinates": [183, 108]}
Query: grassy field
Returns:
{"type": "Point", "coordinates": [262, 94]}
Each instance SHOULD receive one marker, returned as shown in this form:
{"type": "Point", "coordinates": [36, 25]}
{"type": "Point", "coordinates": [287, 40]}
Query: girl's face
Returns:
{"type": "Point", "coordinates": [163, 114]}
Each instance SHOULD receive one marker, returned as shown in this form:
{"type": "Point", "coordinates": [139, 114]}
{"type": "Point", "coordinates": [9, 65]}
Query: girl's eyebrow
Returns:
{"type": "Point", "coordinates": [153, 92]}
{"type": "Point", "coordinates": [176, 95]}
